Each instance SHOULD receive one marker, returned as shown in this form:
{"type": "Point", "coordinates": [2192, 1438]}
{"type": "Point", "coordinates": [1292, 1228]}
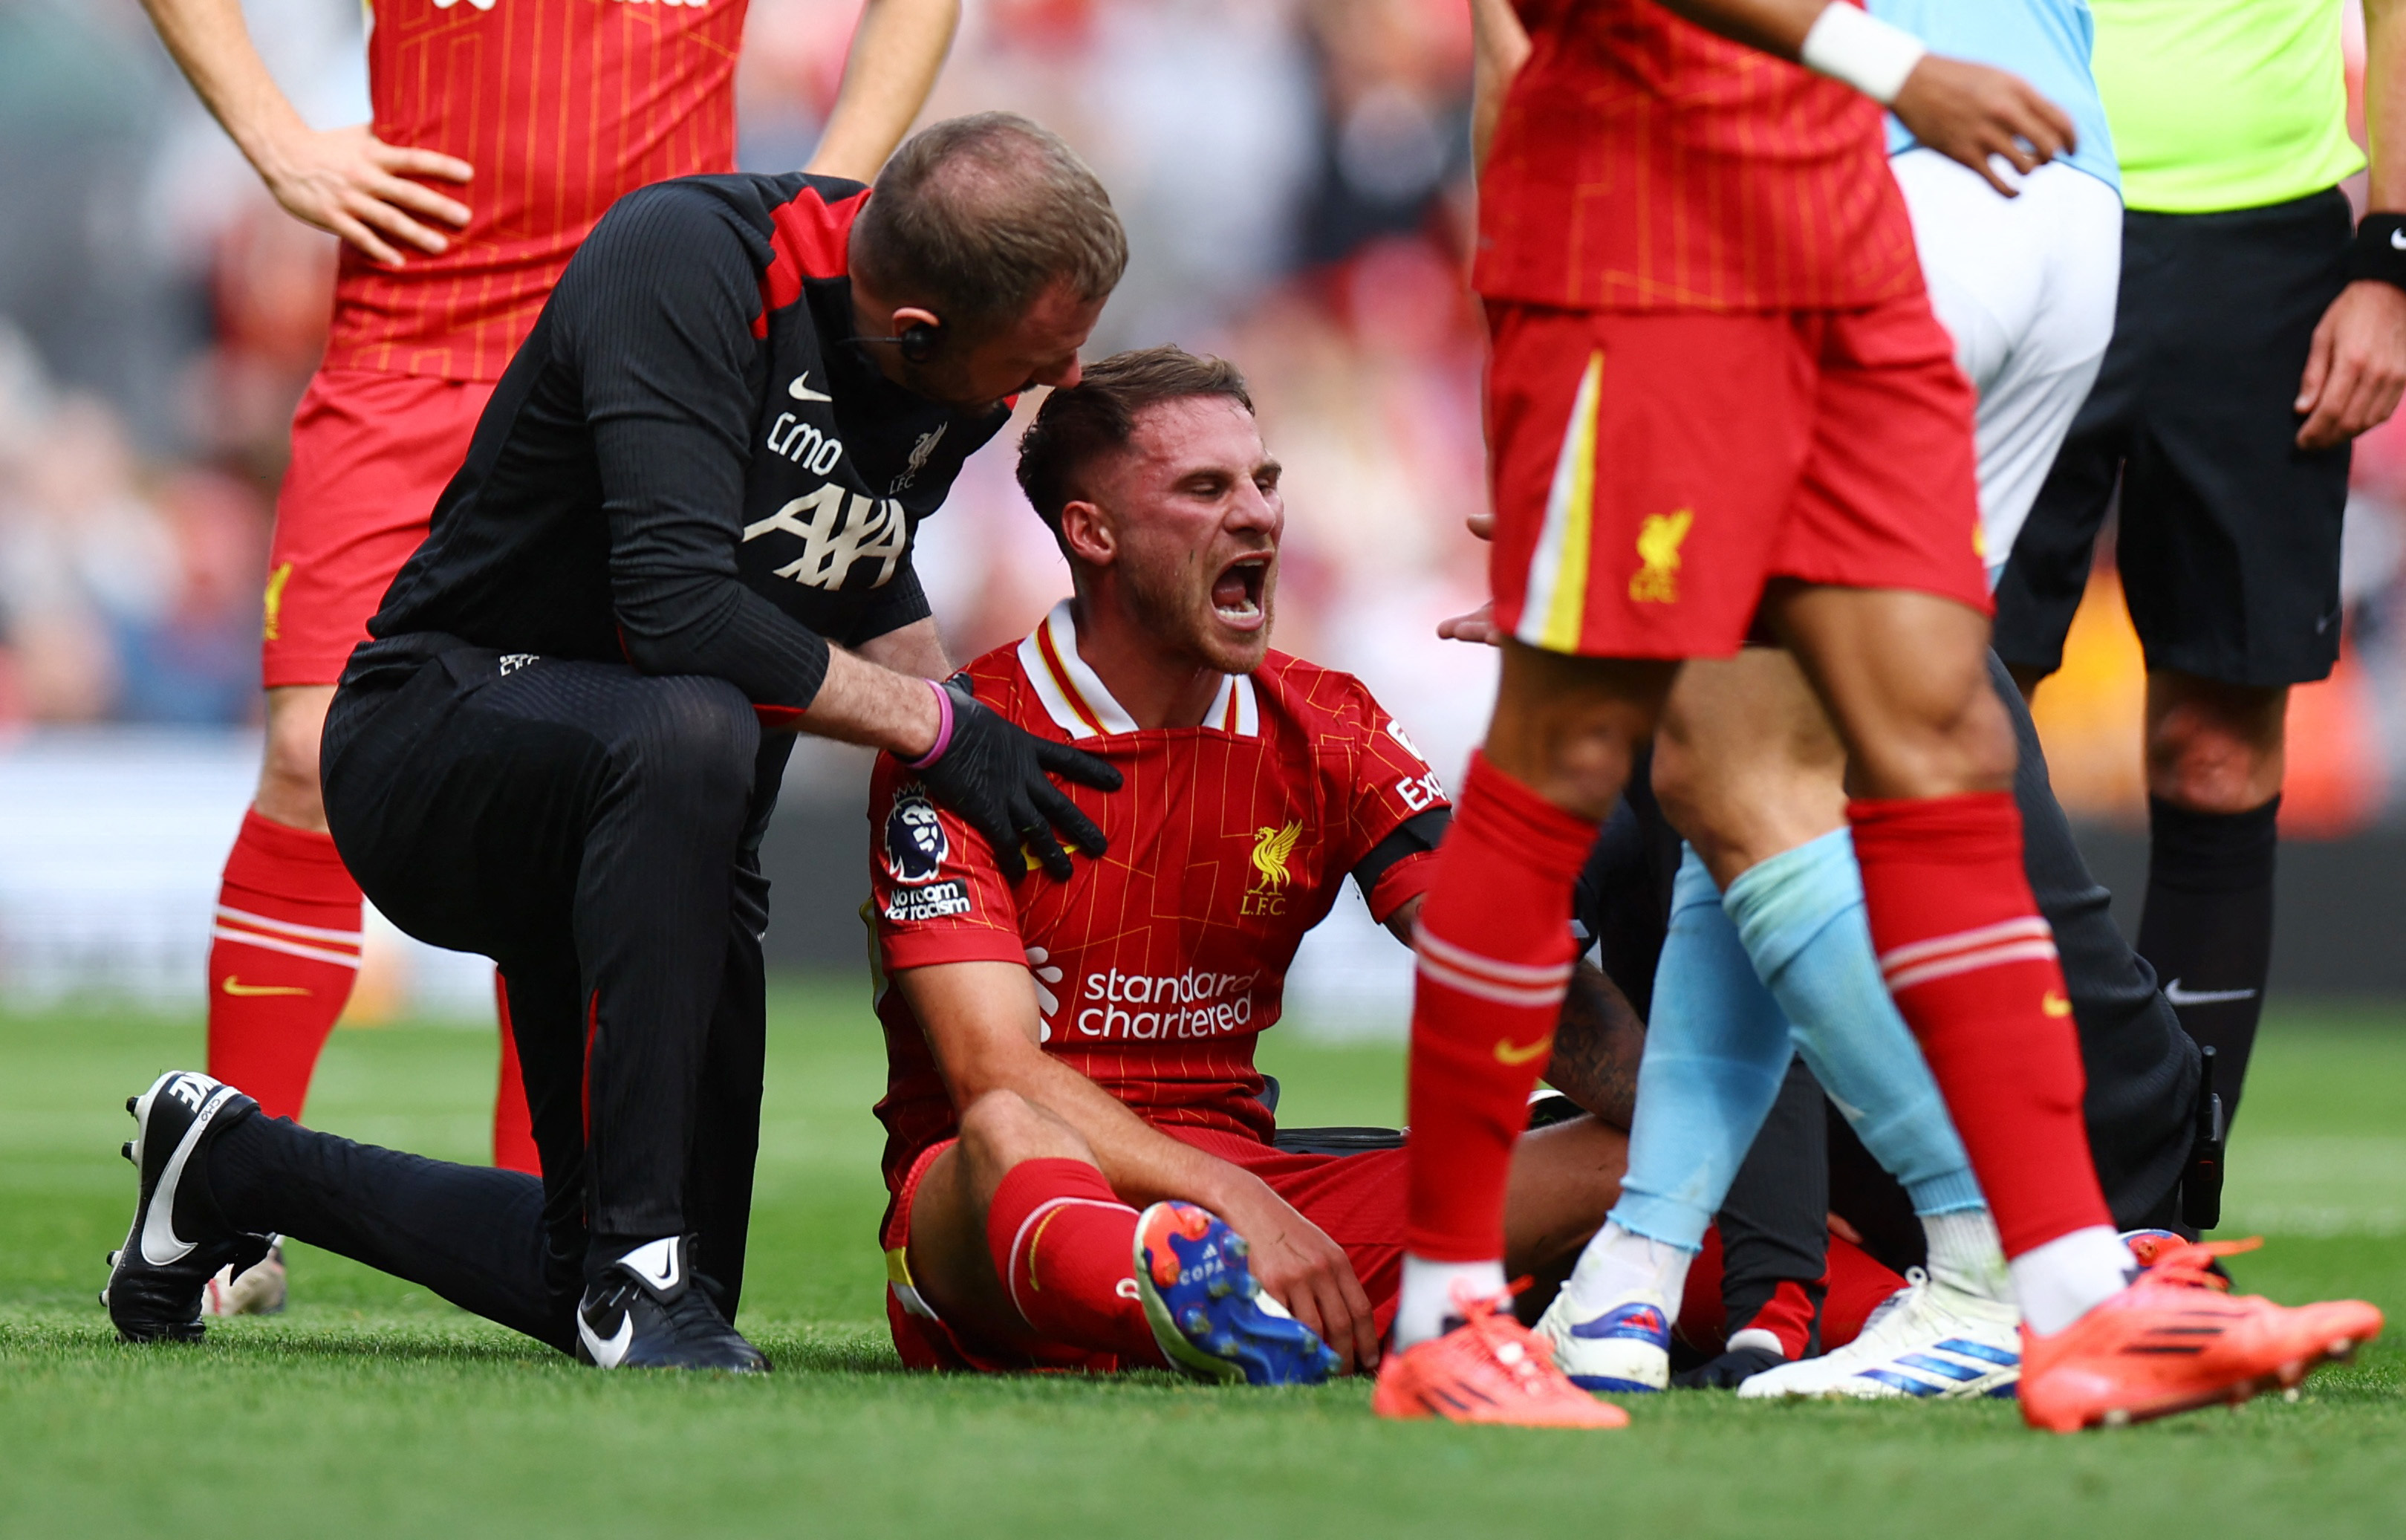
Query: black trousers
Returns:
{"type": "Point", "coordinates": [595, 832]}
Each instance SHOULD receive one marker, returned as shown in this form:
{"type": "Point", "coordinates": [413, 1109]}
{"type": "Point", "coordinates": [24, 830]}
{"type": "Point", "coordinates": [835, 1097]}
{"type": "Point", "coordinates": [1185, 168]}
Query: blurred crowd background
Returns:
{"type": "Point", "coordinates": [1294, 178]}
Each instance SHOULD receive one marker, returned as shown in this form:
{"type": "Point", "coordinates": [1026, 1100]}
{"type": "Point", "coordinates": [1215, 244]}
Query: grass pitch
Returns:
{"type": "Point", "coordinates": [374, 1409]}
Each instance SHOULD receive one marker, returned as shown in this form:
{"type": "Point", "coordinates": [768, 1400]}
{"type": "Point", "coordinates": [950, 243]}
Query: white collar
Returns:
{"type": "Point", "coordinates": [1075, 699]}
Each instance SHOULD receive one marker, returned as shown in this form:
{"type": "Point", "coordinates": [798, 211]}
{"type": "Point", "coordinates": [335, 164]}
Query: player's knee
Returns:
{"type": "Point", "coordinates": [290, 791]}
{"type": "Point", "coordinates": [1001, 1128]}
{"type": "Point", "coordinates": [1953, 743]}
{"type": "Point", "coordinates": [693, 741]}
{"type": "Point", "coordinates": [2214, 748]}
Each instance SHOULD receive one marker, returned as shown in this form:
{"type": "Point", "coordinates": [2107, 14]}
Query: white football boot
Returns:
{"type": "Point", "coordinates": [1623, 1347]}
{"type": "Point", "coordinates": [1929, 1340]}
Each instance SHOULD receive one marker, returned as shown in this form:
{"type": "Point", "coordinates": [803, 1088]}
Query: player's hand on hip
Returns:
{"type": "Point", "coordinates": [1300, 1267]}
{"type": "Point", "coordinates": [995, 773]}
{"type": "Point", "coordinates": [1973, 114]}
{"type": "Point", "coordinates": [349, 182]}
{"type": "Point", "coordinates": [2355, 370]}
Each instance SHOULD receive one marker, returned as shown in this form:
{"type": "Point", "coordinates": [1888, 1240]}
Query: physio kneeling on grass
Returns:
{"type": "Point", "coordinates": [682, 533]}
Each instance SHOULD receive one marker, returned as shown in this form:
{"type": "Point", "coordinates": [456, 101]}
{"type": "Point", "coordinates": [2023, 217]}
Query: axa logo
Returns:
{"type": "Point", "coordinates": [1273, 848]}
{"type": "Point", "coordinates": [1656, 581]}
{"type": "Point", "coordinates": [839, 529]}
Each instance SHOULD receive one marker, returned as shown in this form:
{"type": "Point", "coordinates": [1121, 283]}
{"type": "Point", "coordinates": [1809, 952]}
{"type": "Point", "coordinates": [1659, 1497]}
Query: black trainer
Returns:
{"type": "Point", "coordinates": [650, 1312]}
{"type": "Point", "coordinates": [172, 1251]}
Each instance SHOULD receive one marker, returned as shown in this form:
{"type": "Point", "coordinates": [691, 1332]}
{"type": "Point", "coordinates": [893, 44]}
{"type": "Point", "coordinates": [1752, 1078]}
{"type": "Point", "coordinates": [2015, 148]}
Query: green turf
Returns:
{"type": "Point", "coordinates": [372, 1409]}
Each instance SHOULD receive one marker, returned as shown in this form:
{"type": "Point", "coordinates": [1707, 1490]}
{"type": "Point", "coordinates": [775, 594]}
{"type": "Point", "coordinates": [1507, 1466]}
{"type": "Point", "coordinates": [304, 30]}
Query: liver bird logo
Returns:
{"type": "Point", "coordinates": [1271, 849]}
{"type": "Point", "coordinates": [1657, 546]}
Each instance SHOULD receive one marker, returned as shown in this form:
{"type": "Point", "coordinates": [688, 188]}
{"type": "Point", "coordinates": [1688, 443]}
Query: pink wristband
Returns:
{"type": "Point", "coordinates": [943, 729]}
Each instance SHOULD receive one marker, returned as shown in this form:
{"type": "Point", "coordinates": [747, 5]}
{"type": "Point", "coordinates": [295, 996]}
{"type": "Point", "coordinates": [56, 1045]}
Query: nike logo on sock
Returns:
{"type": "Point", "coordinates": [2053, 1004]}
{"type": "Point", "coordinates": [235, 987]}
{"type": "Point", "coordinates": [1506, 1052]}
{"type": "Point", "coordinates": [2174, 993]}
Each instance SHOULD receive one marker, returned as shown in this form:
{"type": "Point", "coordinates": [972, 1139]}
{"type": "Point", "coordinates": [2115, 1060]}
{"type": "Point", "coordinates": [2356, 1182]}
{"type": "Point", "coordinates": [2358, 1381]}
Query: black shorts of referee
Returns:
{"type": "Point", "coordinates": [2229, 535]}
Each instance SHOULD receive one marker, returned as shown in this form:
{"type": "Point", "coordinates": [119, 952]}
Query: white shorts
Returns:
{"type": "Point", "coordinates": [2025, 286]}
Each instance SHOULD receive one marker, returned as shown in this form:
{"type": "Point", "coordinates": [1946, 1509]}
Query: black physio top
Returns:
{"type": "Point", "coordinates": [686, 467]}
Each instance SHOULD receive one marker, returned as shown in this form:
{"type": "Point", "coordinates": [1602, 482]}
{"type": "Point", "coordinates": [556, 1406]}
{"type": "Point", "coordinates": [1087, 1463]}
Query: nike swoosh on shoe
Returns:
{"type": "Point", "coordinates": [607, 1352]}
{"type": "Point", "coordinates": [160, 1246]}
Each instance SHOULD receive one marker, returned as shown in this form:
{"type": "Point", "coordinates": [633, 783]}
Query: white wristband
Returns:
{"type": "Point", "coordinates": [1867, 53]}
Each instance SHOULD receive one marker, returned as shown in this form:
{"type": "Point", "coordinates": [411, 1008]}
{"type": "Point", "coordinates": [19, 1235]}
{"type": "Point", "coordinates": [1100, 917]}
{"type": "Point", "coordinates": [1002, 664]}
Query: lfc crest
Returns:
{"type": "Point", "coordinates": [1272, 848]}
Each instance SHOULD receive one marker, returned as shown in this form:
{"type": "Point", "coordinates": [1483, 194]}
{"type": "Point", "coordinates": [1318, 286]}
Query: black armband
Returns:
{"type": "Point", "coordinates": [2379, 251]}
{"type": "Point", "coordinates": [1421, 832]}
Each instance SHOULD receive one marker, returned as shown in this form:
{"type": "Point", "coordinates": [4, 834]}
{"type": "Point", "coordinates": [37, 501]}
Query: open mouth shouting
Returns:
{"type": "Point", "coordinates": [1238, 593]}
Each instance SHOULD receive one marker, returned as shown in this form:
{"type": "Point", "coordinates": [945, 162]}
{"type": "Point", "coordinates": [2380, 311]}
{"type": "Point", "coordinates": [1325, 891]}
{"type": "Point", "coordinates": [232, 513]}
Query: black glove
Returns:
{"type": "Point", "coordinates": [993, 774]}
{"type": "Point", "coordinates": [1729, 1371]}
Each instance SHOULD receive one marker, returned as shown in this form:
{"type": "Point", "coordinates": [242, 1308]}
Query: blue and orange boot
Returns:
{"type": "Point", "coordinates": [1206, 1310]}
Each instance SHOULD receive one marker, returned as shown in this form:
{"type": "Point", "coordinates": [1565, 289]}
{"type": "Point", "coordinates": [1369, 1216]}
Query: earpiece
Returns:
{"type": "Point", "coordinates": [918, 340]}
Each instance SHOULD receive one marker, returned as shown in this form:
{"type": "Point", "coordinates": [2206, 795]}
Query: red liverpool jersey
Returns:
{"type": "Point", "coordinates": [1644, 163]}
{"type": "Point", "coordinates": [563, 107]}
{"type": "Point", "coordinates": [1158, 964]}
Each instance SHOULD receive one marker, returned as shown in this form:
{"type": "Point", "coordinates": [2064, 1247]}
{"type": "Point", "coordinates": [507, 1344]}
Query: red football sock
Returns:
{"type": "Point", "coordinates": [513, 1124]}
{"type": "Point", "coordinates": [1973, 971]}
{"type": "Point", "coordinates": [1065, 1246]}
{"type": "Point", "coordinates": [285, 954]}
{"type": "Point", "coordinates": [1495, 955]}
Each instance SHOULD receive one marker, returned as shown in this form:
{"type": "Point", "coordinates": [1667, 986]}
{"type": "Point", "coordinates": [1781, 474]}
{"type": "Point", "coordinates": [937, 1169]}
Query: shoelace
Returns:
{"type": "Point", "coordinates": [1517, 1351]}
{"type": "Point", "coordinates": [2188, 1265]}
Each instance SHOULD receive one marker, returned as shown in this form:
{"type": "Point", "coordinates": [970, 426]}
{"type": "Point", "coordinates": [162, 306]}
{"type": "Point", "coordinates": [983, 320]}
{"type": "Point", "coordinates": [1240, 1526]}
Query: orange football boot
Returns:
{"type": "Point", "coordinates": [2177, 1339]}
{"type": "Point", "coordinates": [1489, 1369]}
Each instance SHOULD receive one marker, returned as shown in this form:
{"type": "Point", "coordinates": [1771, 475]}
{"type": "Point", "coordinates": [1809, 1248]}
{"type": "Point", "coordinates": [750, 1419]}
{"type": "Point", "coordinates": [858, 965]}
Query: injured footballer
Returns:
{"type": "Point", "coordinates": [1084, 1169]}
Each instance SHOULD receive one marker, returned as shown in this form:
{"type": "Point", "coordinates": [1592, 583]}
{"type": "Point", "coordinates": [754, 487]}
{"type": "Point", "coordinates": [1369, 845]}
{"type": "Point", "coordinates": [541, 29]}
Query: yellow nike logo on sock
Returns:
{"type": "Point", "coordinates": [2055, 1004]}
{"type": "Point", "coordinates": [1506, 1054]}
{"type": "Point", "coordinates": [239, 990]}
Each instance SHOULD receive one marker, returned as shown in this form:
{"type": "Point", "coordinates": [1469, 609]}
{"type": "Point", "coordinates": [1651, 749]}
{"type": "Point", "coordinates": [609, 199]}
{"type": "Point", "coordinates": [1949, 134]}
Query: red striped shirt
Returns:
{"type": "Point", "coordinates": [563, 107]}
{"type": "Point", "coordinates": [1159, 965]}
{"type": "Point", "coordinates": [1643, 164]}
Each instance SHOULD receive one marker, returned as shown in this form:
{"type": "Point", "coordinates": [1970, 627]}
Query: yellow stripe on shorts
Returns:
{"type": "Point", "coordinates": [1555, 600]}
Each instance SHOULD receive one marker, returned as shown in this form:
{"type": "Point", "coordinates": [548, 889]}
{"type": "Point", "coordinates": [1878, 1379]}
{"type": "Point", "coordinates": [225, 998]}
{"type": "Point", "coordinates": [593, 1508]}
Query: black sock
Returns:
{"type": "Point", "coordinates": [2208, 925]}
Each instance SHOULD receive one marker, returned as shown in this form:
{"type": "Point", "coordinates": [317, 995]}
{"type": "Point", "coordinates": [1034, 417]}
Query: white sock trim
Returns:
{"type": "Point", "coordinates": [2057, 1283]}
{"type": "Point", "coordinates": [1427, 1297]}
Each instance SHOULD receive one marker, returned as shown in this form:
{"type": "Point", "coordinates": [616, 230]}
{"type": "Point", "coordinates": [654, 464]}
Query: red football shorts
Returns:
{"type": "Point", "coordinates": [1653, 472]}
{"type": "Point", "coordinates": [1358, 1200]}
{"type": "Point", "coordinates": [371, 452]}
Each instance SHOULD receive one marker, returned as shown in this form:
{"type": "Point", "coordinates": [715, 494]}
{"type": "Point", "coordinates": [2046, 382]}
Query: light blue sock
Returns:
{"type": "Point", "coordinates": [1800, 917]}
{"type": "Point", "coordinates": [1717, 1049]}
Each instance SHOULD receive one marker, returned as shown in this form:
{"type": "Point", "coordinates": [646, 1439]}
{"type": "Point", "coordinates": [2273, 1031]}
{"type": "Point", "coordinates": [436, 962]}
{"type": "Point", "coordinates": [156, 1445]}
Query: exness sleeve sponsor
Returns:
{"type": "Point", "coordinates": [1396, 815]}
{"type": "Point", "coordinates": [936, 895]}
{"type": "Point", "coordinates": [657, 310]}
